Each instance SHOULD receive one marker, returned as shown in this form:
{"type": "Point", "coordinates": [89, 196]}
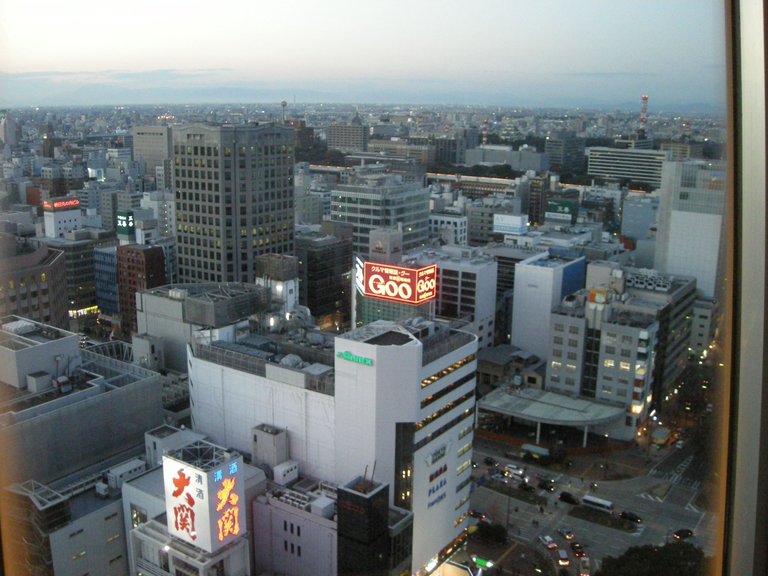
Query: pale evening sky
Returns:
{"type": "Point", "coordinates": [505, 52]}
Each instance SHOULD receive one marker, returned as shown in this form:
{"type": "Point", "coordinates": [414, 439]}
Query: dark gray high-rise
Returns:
{"type": "Point", "coordinates": [234, 198]}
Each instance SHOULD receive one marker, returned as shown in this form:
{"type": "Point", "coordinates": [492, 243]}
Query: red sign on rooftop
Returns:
{"type": "Point", "coordinates": [397, 284]}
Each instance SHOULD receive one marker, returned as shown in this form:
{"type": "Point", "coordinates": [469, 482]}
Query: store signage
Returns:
{"type": "Point", "coordinates": [68, 204]}
{"type": "Point", "coordinates": [205, 507]}
{"type": "Point", "coordinates": [349, 357]}
{"type": "Point", "coordinates": [397, 284]}
{"type": "Point", "coordinates": [125, 223]}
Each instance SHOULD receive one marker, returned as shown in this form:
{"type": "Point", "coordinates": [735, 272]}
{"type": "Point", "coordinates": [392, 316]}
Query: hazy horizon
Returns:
{"type": "Point", "coordinates": [551, 53]}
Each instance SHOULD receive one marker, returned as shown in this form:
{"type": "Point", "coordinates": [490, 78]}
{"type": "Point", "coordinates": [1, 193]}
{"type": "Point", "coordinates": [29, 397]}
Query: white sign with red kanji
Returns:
{"type": "Point", "coordinates": [204, 508]}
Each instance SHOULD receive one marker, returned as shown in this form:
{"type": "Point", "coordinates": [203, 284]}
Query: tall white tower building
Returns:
{"type": "Point", "coordinates": [690, 237]}
{"type": "Point", "coordinates": [541, 282]}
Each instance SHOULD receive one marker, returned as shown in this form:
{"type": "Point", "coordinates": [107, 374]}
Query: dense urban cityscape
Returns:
{"type": "Point", "coordinates": [290, 338]}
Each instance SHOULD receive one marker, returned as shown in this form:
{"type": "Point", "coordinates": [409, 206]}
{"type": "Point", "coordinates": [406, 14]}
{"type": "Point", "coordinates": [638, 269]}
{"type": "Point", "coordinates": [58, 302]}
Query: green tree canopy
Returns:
{"type": "Point", "coordinates": [674, 559]}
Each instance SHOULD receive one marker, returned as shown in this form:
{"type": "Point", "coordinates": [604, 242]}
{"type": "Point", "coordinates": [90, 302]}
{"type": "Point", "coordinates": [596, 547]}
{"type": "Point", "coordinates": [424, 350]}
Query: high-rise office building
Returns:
{"type": "Point", "coordinates": [380, 201]}
{"type": "Point", "coordinates": [152, 146]}
{"type": "Point", "coordinates": [604, 351]}
{"type": "Point", "coordinates": [325, 262]}
{"type": "Point", "coordinates": [78, 247]}
{"type": "Point", "coordinates": [541, 282]}
{"type": "Point", "coordinates": [690, 236]}
{"type": "Point", "coordinates": [538, 187]}
{"type": "Point", "coordinates": [234, 198]}
{"type": "Point", "coordinates": [565, 151]}
{"type": "Point", "coordinates": [631, 164]}
{"type": "Point", "coordinates": [349, 136]}
{"type": "Point", "coordinates": [105, 277]}
{"type": "Point", "coordinates": [139, 267]}
{"type": "Point", "coordinates": [638, 216]}
{"type": "Point", "coordinates": [33, 281]}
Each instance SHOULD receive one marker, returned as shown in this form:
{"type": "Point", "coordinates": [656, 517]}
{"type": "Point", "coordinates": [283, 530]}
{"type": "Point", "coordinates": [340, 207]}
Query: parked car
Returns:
{"type": "Point", "coordinates": [682, 534]}
{"type": "Point", "coordinates": [526, 487]}
{"type": "Point", "coordinates": [490, 461]}
{"type": "Point", "coordinates": [569, 498]}
{"type": "Point", "coordinates": [631, 516]}
{"type": "Point", "coordinates": [548, 542]}
{"type": "Point", "coordinates": [566, 533]}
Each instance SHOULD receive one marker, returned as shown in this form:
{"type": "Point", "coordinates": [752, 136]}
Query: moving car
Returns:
{"type": "Point", "coordinates": [578, 550]}
{"type": "Point", "coordinates": [476, 514]}
{"type": "Point", "coordinates": [548, 485]}
{"type": "Point", "coordinates": [548, 542]}
{"type": "Point", "coordinates": [568, 498]}
{"type": "Point", "coordinates": [682, 534]}
{"type": "Point", "coordinates": [566, 533]}
{"type": "Point", "coordinates": [631, 516]}
{"type": "Point", "coordinates": [562, 558]}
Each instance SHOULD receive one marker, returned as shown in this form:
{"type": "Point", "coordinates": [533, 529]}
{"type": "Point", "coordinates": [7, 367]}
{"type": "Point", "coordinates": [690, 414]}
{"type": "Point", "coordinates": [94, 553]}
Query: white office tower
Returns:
{"type": "Point", "coordinates": [374, 200]}
{"type": "Point", "coordinates": [690, 237]}
{"type": "Point", "coordinates": [388, 403]}
{"type": "Point", "coordinates": [405, 399]}
{"type": "Point", "coordinates": [541, 282]}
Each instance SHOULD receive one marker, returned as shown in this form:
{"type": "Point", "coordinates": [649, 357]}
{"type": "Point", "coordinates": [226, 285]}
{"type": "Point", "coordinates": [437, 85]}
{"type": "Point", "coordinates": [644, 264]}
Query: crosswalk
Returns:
{"type": "Point", "coordinates": [651, 497]}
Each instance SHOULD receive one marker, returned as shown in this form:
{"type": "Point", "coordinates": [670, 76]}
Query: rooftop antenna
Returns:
{"type": "Point", "coordinates": [283, 104]}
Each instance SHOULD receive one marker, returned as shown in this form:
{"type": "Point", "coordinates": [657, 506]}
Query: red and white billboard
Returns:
{"type": "Point", "coordinates": [396, 284]}
{"type": "Point", "coordinates": [205, 506]}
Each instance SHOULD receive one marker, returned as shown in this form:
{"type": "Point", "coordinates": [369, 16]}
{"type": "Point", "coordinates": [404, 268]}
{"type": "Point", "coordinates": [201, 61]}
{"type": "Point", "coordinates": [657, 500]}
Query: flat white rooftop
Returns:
{"type": "Point", "coordinates": [546, 407]}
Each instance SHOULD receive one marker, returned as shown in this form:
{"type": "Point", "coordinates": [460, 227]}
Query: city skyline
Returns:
{"type": "Point", "coordinates": [603, 55]}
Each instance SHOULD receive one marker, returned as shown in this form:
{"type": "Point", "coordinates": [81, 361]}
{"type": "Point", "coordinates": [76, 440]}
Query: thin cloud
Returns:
{"type": "Point", "coordinates": [609, 74]}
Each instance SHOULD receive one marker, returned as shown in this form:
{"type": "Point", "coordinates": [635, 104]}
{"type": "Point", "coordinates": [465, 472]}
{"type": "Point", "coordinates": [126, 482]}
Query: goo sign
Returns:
{"type": "Point", "coordinates": [397, 284]}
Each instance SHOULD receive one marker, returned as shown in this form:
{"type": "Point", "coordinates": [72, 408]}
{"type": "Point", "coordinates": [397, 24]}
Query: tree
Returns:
{"type": "Point", "coordinates": [495, 533]}
{"type": "Point", "coordinates": [674, 559]}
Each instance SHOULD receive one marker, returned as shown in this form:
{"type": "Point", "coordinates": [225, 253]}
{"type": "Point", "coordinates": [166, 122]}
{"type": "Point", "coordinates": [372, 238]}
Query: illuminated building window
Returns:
{"type": "Point", "coordinates": [608, 363]}
{"type": "Point", "coordinates": [138, 516]}
{"type": "Point", "coordinates": [624, 366]}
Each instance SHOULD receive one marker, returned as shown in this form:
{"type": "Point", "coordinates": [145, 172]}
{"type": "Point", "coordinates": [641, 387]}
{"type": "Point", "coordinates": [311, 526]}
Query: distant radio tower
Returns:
{"type": "Point", "coordinates": [643, 117]}
{"type": "Point", "coordinates": [283, 104]}
{"type": "Point", "coordinates": [485, 132]}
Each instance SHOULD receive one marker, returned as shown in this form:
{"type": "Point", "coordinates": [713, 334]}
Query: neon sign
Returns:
{"type": "Point", "coordinates": [204, 505]}
{"type": "Point", "coordinates": [228, 521]}
{"type": "Point", "coordinates": [397, 284]}
{"type": "Point", "coordinates": [69, 204]}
